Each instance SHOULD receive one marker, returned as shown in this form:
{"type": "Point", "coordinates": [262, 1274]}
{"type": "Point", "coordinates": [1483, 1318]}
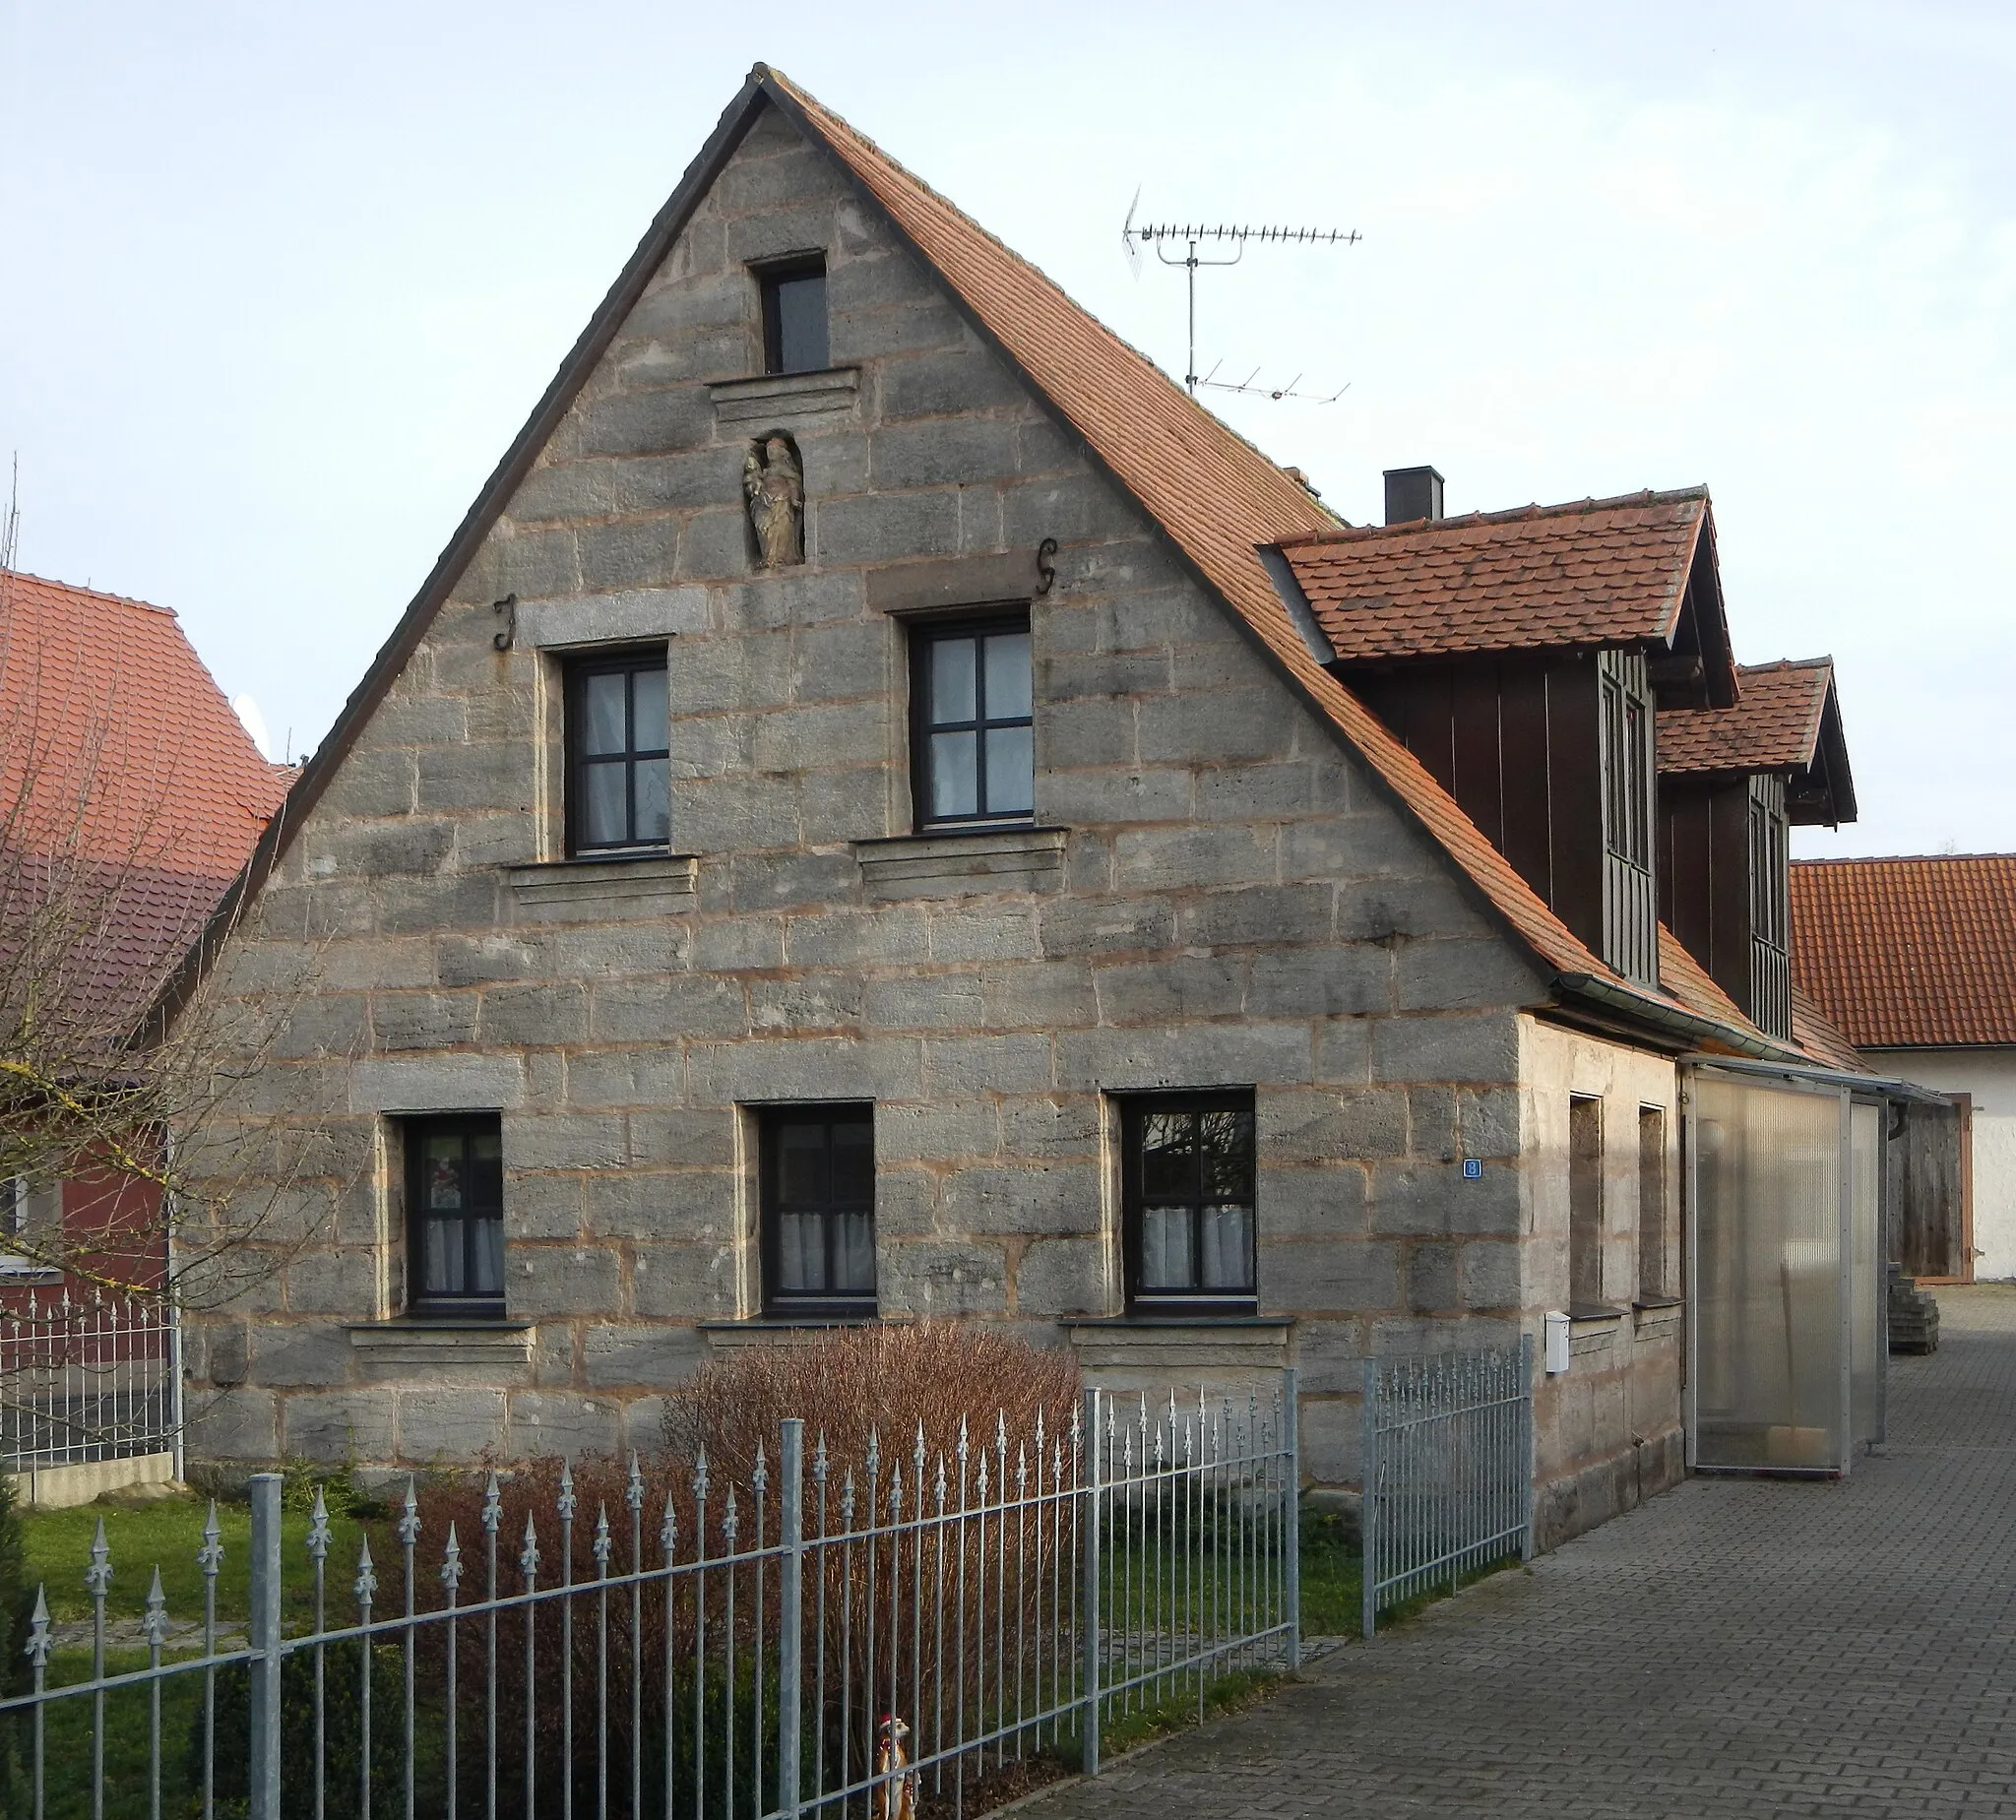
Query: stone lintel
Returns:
{"type": "Point", "coordinates": [778, 398]}
{"type": "Point", "coordinates": [731, 1336]}
{"type": "Point", "coordinates": [616, 890]}
{"type": "Point", "coordinates": [612, 618]}
{"type": "Point", "coordinates": [968, 863]}
{"type": "Point", "coordinates": [948, 581]}
{"type": "Point", "coordinates": [489, 1352]}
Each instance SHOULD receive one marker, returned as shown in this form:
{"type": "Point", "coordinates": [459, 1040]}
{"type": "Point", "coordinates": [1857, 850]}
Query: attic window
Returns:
{"type": "Point", "coordinates": [794, 336]}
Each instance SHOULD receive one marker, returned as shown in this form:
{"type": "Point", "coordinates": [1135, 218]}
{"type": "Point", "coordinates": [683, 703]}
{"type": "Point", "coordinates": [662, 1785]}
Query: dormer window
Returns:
{"type": "Point", "coordinates": [1770, 1004]}
{"type": "Point", "coordinates": [1631, 922]}
{"type": "Point", "coordinates": [795, 339]}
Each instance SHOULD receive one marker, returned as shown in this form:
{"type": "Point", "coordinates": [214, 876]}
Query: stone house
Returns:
{"type": "Point", "coordinates": [886, 808]}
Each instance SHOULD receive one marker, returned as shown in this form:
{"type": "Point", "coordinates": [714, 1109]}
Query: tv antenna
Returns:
{"type": "Point", "coordinates": [10, 520]}
{"type": "Point", "coordinates": [1237, 237]}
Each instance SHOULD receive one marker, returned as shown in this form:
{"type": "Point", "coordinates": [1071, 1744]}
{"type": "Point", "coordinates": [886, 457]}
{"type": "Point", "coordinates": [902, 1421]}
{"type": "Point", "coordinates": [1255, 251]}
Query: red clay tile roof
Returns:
{"type": "Point", "coordinates": [1811, 1031]}
{"type": "Point", "coordinates": [1910, 953]}
{"type": "Point", "coordinates": [1774, 726]}
{"type": "Point", "coordinates": [122, 757]}
{"type": "Point", "coordinates": [1601, 572]}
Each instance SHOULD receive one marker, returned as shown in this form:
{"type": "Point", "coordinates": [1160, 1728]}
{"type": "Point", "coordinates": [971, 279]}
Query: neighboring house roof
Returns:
{"type": "Point", "coordinates": [1787, 718]}
{"type": "Point", "coordinates": [1213, 493]}
{"type": "Point", "coordinates": [1814, 1033]}
{"type": "Point", "coordinates": [1597, 572]}
{"type": "Point", "coordinates": [125, 779]}
{"type": "Point", "coordinates": [1910, 953]}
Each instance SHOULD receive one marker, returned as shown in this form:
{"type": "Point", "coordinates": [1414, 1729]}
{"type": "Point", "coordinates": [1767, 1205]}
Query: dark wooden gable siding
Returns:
{"type": "Point", "coordinates": [1711, 897]}
{"type": "Point", "coordinates": [1517, 740]}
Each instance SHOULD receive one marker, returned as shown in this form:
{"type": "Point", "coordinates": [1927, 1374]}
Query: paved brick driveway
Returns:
{"type": "Point", "coordinates": [1736, 1647]}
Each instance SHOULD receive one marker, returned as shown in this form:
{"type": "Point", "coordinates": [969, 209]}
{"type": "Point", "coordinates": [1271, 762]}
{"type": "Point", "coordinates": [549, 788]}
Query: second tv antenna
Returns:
{"type": "Point", "coordinates": [1236, 237]}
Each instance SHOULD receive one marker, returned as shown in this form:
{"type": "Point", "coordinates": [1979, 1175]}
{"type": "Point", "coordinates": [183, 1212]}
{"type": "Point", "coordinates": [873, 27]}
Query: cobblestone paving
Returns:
{"type": "Point", "coordinates": [1738, 1647]}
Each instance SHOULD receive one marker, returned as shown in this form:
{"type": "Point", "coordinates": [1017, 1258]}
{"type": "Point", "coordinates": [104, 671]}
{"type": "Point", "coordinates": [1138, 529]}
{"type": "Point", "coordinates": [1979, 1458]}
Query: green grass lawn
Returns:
{"type": "Point", "coordinates": [168, 1535]}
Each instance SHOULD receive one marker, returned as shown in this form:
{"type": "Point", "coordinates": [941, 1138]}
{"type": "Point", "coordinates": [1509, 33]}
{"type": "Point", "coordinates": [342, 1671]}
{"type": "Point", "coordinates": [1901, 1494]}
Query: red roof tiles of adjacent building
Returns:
{"type": "Point", "coordinates": [1912, 953]}
{"type": "Point", "coordinates": [1601, 572]}
{"type": "Point", "coordinates": [1775, 725]}
{"type": "Point", "coordinates": [122, 758]}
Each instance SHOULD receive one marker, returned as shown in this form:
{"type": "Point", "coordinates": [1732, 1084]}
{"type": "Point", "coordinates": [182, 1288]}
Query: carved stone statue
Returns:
{"type": "Point", "coordinates": [774, 484]}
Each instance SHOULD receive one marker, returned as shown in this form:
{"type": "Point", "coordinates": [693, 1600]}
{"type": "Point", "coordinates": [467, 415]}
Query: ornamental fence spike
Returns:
{"type": "Point", "coordinates": [366, 1582]}
{"type": "Point", "coordinates": [633, 1488]}
{"type": "Point", "coordinates": [493, 1505]}
{"type": "Point", "coordinates": [409, 1520]}
{"type": "Point", "coordinates": [153, 1628]}
{"type": "Point", "coordinates": [98, 1575]}
{"type": "Point", "coordinates": [211, 1556]}
{"type": "Point", "coordinates": [567, 1501]}
{"type": "Point", "coordinates": [528, 1556]}
{"type": "Point", "coordinates": [450, 1561]}
{"type": "Point", "coordinates": [601, 1547]}
{"type": "Point", "coordinates": [38, 1651]}
{"type": "Point", "coordinates": [318, 1528]}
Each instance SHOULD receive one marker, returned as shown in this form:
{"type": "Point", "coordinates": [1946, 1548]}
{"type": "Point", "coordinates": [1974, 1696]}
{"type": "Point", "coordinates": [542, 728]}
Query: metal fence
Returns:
{"type": "Point", "coordinates": [82, 1382]}
{"type": "Point", "coordinates": [1448, 1470]}
{"type": "Point", "coordinates": [873, 1637]}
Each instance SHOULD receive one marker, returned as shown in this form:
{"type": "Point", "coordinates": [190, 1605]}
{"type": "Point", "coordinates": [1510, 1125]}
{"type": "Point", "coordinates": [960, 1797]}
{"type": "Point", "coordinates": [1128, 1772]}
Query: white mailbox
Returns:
{"type": "Point", "coordinates": [1557, 1343]}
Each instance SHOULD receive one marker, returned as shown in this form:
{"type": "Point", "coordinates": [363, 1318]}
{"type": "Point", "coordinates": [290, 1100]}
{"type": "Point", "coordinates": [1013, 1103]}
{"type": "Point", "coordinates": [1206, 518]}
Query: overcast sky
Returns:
{"type": "Point", "coordinates": [278, 284]}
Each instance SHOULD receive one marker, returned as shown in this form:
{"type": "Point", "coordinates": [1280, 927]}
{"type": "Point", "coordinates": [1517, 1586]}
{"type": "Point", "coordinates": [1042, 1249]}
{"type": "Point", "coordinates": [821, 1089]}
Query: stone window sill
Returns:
{"type": "Point", "coordinates": [456, 1348]}
{"type": "Point", "coordinates": [1593, 1327]}
{"type": "Point", "coordinates": [1657, 1320]}
{"type": "Point", "coordinates": [785, 1330]}
{"type": "Point", "coordinates": [578, 890]}
{"type": "Point", "coordinates": [962, 863]}
{"type": "Point", "coordinates": [777, 398]}
{"type": "Point", "coordinates": [1181, 1345]}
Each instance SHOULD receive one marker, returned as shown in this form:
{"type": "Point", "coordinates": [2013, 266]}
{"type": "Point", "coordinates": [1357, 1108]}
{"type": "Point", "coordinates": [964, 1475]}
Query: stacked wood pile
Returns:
{"type": "Point", "coordinates": [1914, 1316]}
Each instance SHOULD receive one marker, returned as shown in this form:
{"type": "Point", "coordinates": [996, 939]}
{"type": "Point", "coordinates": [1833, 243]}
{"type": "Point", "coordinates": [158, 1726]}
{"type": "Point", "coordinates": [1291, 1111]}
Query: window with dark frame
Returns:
{"type": "Point", "coordinates": [795, 333]}
{"type": "Point", "coordinates": [1627, 772]}
{"type": "Point", "coordinates": [973, 736]}
{"type": "Point", "coordinates": [1585, 1205]}
{"type": "Point", "coordinates": [455, 1215]}
{"type": "Point", "coordinates": [817, 1168]}
{"type": "Point", "coordinates": [1652, 1217]}
{"type": "Point", "coordinates": [1770, 883]}
{"type": "Point", "coordinates": [619, 741]}
{"type": "Point", "coordinates": [1187, 1166]}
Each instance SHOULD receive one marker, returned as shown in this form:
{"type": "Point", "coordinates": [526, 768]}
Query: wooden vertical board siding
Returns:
{"type": "Point", "coordinates": [1686, 867]}
{"type": "Point", "coordinates": [1729, 952]}
{"type": "Point", "coordinates": [1630, 935]}
{"type": "Point", "coordinates": [1575, 797]}
{"type": "Point", "coordinates": [1525, 732]}
{"type": "Point", "coordinates": [1478, 749]}
{"type": "Point", "coordinates": [1769, 933]}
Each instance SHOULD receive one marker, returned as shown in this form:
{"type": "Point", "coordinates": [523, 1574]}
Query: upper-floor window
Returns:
{"type": "Point", "coordinates": [795, 316]}
{"type": "Point", "coordinates": [1626, 739]}
{"type": "Point", "coordinates": [455, 1215]}
{"type": "Point", "coordinates": [30, 1215]}
{"type": "Point", "coordinates": [618, 784]}
{"type": "Point", "coordinates": [1187, 1180]}
{"type": "Point", "coordinates": [1770, 881]}
{"type": "Point", "coordinates": [974, 739]}
{"type": "Point", "coordinates": [818, 1201]}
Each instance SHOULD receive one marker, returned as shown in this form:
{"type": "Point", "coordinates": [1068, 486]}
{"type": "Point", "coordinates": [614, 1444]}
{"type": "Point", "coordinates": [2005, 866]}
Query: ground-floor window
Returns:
{"type": "Point", "coordinates": [1187, 1201]}
{"type": "Point", "coordinates": [1585, 1203]}
{"type": "Point", "coordinates": [818, 1201]}
{"type": "Point", "coordinates": [1652, 1284]}
{"type": "Point", "coordinates": [455, 1226]}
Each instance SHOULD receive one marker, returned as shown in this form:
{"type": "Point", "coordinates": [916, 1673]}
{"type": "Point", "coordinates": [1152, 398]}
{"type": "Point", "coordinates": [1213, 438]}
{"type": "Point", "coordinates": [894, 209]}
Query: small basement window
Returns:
{"type": "Point", "coordinates": [795, 338]}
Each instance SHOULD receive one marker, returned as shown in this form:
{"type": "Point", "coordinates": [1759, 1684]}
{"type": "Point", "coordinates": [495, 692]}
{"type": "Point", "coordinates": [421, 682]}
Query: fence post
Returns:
{"type": "Point", "coordinates": [1526, 1445]}
{"type": "Point", "coordinates": [791, 1616]}
{"type": "Point", "coordinates": [1089, 1525]}
{"type": "Point", "coordinates": [262, 1629]}
{"type": "Point", "coordinates": [1291, 1535]}
{"type": "Point", "coordinates": [1368, 1501]}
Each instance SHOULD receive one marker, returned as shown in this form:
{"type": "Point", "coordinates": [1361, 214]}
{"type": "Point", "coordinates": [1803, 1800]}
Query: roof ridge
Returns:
{"type": "Point", "coordinates": [1896, 860]}
{"type": "Point", "coordinates": [1504, 515]}
{"type": "Point", "coordinates": [88, 593]}
{"type": "Point", "coordinates": [805, 99]}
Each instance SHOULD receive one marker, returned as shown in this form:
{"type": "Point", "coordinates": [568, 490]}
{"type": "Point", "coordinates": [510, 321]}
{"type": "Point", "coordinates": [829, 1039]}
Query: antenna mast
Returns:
{"type": "Point", "coordinates": [1236, 237]}
{"type": "Point", "coordinates": [10, 520]}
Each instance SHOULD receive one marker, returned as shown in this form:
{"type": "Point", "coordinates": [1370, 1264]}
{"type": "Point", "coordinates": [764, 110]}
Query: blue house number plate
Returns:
{"type": "Point", "coordinates": [1473, 1168]}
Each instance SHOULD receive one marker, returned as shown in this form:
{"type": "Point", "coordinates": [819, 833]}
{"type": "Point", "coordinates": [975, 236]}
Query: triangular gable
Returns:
{"type": "Point", "coordinates": [1213, 494]}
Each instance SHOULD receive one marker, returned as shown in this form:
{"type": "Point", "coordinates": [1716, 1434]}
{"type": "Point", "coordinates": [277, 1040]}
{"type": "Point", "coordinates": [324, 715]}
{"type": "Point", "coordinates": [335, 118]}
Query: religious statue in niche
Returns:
{"type": "Point", "coordinates": [774, 480]}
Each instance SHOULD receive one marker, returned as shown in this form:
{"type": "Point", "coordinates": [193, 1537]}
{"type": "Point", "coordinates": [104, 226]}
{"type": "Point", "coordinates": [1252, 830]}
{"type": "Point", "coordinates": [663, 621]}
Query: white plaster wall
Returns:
{"type": "Point", "coordinates": [1990, 1077]}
